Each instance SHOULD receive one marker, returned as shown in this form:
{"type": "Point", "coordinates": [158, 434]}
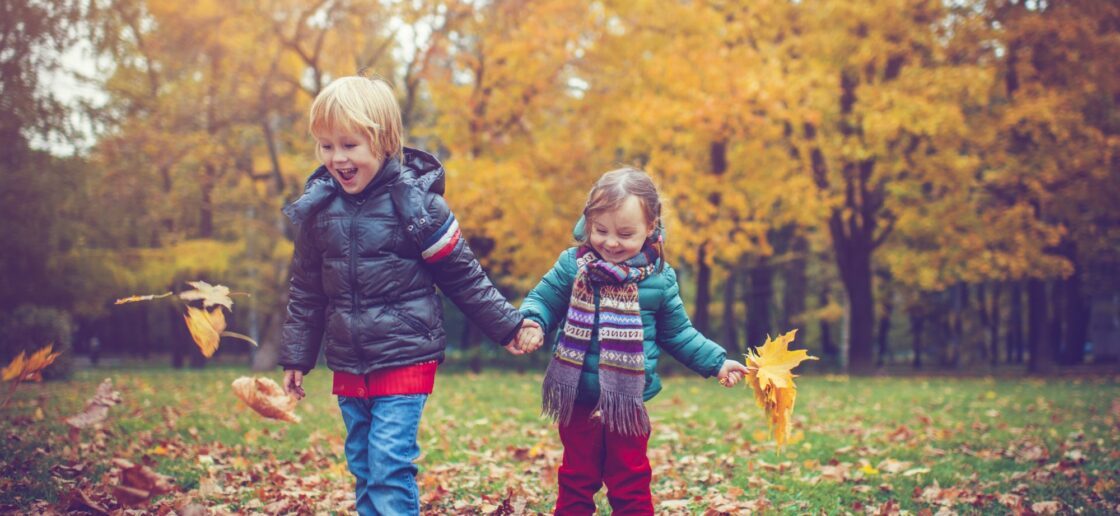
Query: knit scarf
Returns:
{"type": "Point", "coordinates": [622, 371]}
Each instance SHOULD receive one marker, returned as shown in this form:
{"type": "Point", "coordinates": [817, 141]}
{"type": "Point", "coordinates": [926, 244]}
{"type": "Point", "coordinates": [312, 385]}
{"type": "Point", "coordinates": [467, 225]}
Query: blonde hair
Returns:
{"type": "Point", "coordinates": [360, 105]}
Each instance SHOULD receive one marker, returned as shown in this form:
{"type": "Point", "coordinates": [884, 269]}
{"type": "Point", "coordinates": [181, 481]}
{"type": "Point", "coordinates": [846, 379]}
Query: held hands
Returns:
{"type": "Point", "coordinates": [731, 373]}
{"type": "Point", "coordinates": [528, 339]}
{"type": "Point", "coordinates": [293, 383]}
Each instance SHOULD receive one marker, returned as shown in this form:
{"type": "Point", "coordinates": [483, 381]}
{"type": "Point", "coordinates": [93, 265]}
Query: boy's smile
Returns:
{"type": "Point", "coordinates": [349, 158]}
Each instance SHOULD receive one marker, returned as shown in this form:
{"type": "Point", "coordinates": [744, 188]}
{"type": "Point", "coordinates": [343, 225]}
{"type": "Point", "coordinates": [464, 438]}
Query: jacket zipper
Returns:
{"type": "Point", "coordinates": [354, 281]}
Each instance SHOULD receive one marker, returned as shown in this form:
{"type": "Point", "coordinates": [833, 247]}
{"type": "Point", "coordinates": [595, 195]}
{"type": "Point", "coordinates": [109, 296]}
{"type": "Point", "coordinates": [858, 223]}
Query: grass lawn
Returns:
{"type": "Point", "coordinates": [970, 445]}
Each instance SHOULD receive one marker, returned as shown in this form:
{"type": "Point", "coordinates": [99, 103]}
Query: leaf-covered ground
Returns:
{"type": "Point", "coordinates": [876, 445]}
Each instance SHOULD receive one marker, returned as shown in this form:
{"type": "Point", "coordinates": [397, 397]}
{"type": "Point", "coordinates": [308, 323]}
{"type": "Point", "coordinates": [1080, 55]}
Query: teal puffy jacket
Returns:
{"type": "Point", "coordinates": [666, 325]}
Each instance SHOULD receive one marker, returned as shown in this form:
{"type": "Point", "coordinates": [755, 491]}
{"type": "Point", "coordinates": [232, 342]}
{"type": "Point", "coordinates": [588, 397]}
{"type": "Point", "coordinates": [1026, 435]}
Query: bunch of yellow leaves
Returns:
{"type": "Point", "coordinates": [25, 369]}
{"type": "Point", "coordinates": [772, 381]}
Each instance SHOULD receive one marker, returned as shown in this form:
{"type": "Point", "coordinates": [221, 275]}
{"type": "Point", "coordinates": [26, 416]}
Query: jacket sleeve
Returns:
{"type": "Point", "coordinates": [455, 269]}
{"type": "Point", "coordinates": [676, 334]}
{"type": "Point", "coordinates": [547, 303]}
{"type": "Point", "coordinates": [302, 334]}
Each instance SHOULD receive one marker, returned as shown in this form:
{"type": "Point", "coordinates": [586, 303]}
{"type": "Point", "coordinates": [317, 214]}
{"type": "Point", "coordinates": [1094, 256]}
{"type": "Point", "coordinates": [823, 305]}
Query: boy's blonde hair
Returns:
{"type": "Point", "coordinates": [360, 105]}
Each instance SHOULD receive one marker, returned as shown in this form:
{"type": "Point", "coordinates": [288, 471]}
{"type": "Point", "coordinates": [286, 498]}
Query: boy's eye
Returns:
{"type": "Point", "coordinates": [325, 146]}
{"type": "Point", "coordinates": [625, 235]}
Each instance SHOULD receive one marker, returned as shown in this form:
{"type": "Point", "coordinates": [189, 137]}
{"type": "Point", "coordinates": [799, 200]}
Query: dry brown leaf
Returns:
{"type": "Point", "coordinates": [139, 483]}
{"type": "Point", "coordinates": [772, 381]}
{"type": "Point", "coordinates": [149, 297]}
{"type": "Point", "coordinates": [210, 295]}
{"type": "Point", "coordinates": [97, 408]}
{"type": "Point", "coordinates": [266, 397]}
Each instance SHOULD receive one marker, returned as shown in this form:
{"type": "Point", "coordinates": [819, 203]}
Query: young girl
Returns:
{"type": "Point", "coordinates": [618, 304]}
{"type": "Point", "coordinates": [374, 238]}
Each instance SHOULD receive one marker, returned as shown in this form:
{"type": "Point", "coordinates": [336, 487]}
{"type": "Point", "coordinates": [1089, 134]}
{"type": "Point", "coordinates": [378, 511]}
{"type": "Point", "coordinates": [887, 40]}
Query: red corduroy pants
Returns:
{"type": "Point", "coordinates": [594, 456]}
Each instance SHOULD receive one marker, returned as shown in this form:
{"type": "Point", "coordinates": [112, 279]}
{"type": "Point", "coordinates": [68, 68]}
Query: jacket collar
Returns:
{"type": "Point", "coordinates": [419, 169]}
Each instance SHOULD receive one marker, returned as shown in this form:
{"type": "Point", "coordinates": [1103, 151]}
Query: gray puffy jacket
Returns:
{"type": "Point", "coordinates": [365, 267]}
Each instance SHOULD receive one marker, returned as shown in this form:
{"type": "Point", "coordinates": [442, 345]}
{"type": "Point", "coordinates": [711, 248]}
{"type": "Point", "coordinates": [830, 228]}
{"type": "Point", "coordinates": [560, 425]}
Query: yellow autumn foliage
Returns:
{"type": "Point", "coordinates": [771, 378]}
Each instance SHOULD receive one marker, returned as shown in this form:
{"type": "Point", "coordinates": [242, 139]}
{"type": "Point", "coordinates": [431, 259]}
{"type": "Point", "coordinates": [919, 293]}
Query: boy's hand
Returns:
{"type": "Point", "coordinates": [522, 343]}
{"type": "Point", "coordinates": [293, 383]}
{"type": "Point", "coordinates": [731, 373]}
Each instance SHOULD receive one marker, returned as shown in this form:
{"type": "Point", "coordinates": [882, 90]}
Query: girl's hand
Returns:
{"type": "Point", "coordinates": [293, 383]}
{"type": "Point", "coordinates": [731, 373]}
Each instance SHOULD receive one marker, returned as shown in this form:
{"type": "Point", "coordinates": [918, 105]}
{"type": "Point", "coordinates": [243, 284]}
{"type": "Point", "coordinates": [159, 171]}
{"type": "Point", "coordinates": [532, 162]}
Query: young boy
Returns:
{"type": "Point", "coordinates": [375, 237]}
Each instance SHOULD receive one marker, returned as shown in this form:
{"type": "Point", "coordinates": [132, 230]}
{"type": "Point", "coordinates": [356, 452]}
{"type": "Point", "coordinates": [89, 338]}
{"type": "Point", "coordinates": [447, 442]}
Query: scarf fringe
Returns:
{"type": "Point", "coordinates": [624, 413]}
{"type": "Point", "coordinates": [557, 401]}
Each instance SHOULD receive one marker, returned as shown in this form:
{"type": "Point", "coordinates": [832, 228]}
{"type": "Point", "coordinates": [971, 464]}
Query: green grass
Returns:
{"type": "Point", "coordinates": [857, 443]}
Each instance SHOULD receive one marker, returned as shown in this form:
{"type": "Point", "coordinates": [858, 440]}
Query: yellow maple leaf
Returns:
{"type": "Point", "coordinates": [771, 378]}
{"type": "Point", "coordinates": [206, 328]}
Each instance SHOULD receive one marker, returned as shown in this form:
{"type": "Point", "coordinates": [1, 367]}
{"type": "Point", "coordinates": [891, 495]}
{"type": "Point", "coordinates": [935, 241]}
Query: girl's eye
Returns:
{"type": "Point", "coordinates": [350, 145]}
{"type": "Point", "coordinates": [325, 147]}
{"type": "Point", "coordinates": [625, 235]}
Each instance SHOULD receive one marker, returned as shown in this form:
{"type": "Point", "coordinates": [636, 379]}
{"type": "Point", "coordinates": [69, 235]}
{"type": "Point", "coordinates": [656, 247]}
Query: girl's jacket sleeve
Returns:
{"type": "Point", "coordinates": [459, 275]}
{"type": "Point", "coordinates": [676, 334]}
{"type": "Point", "coordinates": [302, 334]}
{"type": "Point", "coordinates": [547, 303]}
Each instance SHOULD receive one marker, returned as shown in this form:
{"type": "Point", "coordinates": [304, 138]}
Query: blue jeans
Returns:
{"type": "Point", "coordinates": [380, 447]}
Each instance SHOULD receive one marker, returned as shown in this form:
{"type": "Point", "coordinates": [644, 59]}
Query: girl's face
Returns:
{"type": "Point", "coordinates": [618, 235]}
{"type": "Point", "coordinates": [349, 158]}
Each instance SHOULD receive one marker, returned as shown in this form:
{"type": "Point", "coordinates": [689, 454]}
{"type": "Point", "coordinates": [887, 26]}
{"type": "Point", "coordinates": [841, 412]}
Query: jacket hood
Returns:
{"type": "Point", "coordinates": [420, 170]}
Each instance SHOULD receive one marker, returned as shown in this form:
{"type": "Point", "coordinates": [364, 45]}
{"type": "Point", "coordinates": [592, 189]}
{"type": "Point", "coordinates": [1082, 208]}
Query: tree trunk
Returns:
{"type": "Point", "coordinates": [856, 275]}
{"type": "Point", "coordinates": [730, 338]}
{"type": "Point", "coordinates": [759, 295]}
{"type": "Point", "coordinates": [982, 315]}
{"type": "Point", "coordinates": [993, 328]}
{"type": "Point", "coordinates": [467, 344]}
{"type": "Point", "coordinates": [1052, 345]}
{"type": "Point", "coordinates": [917, 322]}
{"type": "Point", "coordinates": [1041, 358]}
{"type": "Point", "coordinates": [796, 283]}
{"type": "Point", "coordinates": [1077, 314]}
{"type": "Point", "coordinates": [828, 347]}
{"type": "Point", "coordinates": [703, 291]}
{"type": "Point", "coordinates": [1015, 325]}
{"type": "Point", "coordinates": [884, 330]}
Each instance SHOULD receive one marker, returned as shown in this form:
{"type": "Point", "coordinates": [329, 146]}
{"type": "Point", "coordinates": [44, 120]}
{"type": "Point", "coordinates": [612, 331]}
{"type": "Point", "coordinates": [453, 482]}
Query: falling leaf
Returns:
{"type": "Point", "coordinates": [23, 369]}
{"type": "Point", "coordinates": [211, 295]}
{"type": "Point", "coordinates": [97, 408]}
{"type": "Point", "coordinates": [266, 397]}
{"type": "Point", "coordinates": [206, 328]}
{"type": "Point", "coordinates": [133, 299]}
{"type": "Point", "coordinates": [772, 381]}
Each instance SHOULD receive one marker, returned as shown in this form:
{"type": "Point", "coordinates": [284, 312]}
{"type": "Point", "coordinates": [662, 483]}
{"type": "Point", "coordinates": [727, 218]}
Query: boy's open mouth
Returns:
{"type": "Point", "coordinates": [346, 174]}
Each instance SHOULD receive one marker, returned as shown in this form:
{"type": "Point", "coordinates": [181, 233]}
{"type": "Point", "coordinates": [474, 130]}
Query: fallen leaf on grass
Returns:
{"type": "Point", "coordinates": [138, 483]}
{"type": "Point", "coordinates": [266, 397]}
{"type": "Point", "coordinates": [97, 408]}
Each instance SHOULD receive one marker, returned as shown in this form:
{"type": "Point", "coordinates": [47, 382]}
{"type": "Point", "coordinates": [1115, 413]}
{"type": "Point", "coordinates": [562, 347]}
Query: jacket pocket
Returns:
{"type": "Point", "coordinates": [413, 322]}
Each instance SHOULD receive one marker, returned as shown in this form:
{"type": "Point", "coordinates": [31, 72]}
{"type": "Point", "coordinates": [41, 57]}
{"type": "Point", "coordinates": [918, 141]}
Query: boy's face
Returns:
{"type": "Point", "coordinates": [349, 158]}
{"type": "Point", "coordinates": [619, 235]}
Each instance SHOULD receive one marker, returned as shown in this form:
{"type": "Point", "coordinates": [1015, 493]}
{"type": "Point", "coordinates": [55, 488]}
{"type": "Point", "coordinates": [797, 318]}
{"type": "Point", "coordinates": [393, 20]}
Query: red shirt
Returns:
{"type": "Point", "coordinates": [411, 379]}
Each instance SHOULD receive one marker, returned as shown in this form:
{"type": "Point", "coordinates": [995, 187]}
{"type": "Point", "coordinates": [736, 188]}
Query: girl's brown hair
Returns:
{"type": "Point", "coordinates": [614, 187]}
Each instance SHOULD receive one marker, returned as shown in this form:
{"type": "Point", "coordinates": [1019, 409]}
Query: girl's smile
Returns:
{"type": "Point", "coordinates": [619, 234]}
